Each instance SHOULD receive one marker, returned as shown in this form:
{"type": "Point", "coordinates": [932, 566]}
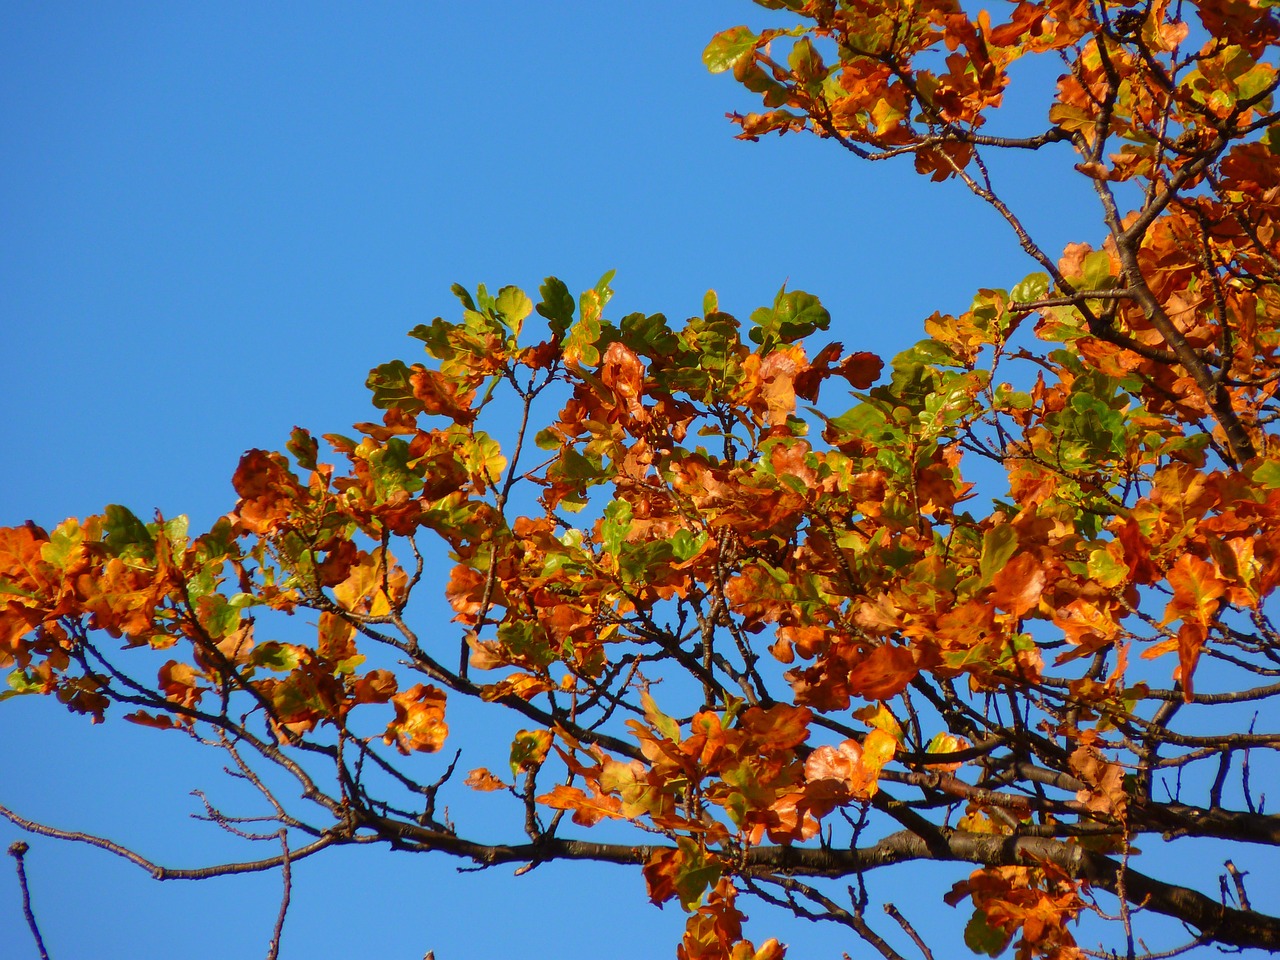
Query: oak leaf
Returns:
{"type": "Point", "coordinates": [419, 722]}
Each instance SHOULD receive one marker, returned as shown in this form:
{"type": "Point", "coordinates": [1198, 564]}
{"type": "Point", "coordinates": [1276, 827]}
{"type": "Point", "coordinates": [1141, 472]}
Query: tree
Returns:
{"type": "Point", "coordinates": [788, 648]}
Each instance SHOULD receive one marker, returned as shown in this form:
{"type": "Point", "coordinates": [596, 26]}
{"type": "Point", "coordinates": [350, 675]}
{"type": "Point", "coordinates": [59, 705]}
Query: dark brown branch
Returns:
{"type": "Point", "coordinates": [1227, 926]}
{"type": "Point", "coordinates": [1180, 820]}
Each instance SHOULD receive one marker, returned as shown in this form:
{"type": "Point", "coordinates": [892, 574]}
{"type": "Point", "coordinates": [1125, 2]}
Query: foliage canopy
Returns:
{"type": "Point", "coordinates": [1010, 606]}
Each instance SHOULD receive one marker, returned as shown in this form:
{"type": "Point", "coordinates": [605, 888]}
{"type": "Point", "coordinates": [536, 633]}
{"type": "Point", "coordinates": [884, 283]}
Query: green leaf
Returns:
{"type": "Point", "coordinates": [391, 470]}
{"type": "Point", "coordinates": [659, 720]}
{"type": "Point", "coordinates": [727, 48]}
{"type": "Point", "coordinates": [123, 530]}
{"type": "Point", "coordinates": [602, 288]}
{"type": "Point", "coordinates": [513, 306]}
{"type": "Point", "coordinates": [1105, 570]}
{"type": "Point", "coordinates": [528, 750]}
{"type": "Point", "coordinates": [391, 387]}
{"type": "Point", "coordinates": [528, 641]}
{"type": "Point", "coordinates": [1272, 137]}
{"type": "Point", "coordinates": [557, 304]}
{"type": "Point", "coordinates": [686, 544]}
{"type": "Point", "coordinates": [218, 617]}
{"type": "Point", "coordinates": [217, 543]}
{"type": "Point", "coordinates": [695, 874]}
{"type": "Point", "coordinates": [615, 526]}
{"type": "Point", "coordinates": [437, 337]}
{"type": "Point", "coordinates": [792, 317]}
{"type": "Point", "coordinates": [485, 304]}
{"type": "Point", "coordinates": [981, 937]}
{"type": "Point", "coordinates": [304, 448]}
{"type": "Point", "coordinates": [461, 293]}
{"type": "Point", "coordinates": [547, 439]}
{"type": "Point", "coordinates": [864, 420]}
{"type": "Point", "coordinates": [20, 682]}
{"type": "Point", "coordinates": [710, 303]}
{"type": "Point", "coordinates": [1267, 474]}
{"type": "Point", "coordinates": [58, 550]}
{"type": "Point", "coordinates": [1033, 287]}
{"type": "Point", "coordinates": [275, 656]}
{"type": "Point", "coordinates": [806, 63]}
{"type": "Point", "coordinates": [1097, 271]}
{"type": "Point", "coordinates": [998, 546]}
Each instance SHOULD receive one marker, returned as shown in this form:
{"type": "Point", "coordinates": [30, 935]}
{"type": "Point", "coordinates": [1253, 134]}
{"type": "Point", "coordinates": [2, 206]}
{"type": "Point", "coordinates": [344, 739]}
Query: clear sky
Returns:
{"type": "Point", "coordinates": [215, 218]}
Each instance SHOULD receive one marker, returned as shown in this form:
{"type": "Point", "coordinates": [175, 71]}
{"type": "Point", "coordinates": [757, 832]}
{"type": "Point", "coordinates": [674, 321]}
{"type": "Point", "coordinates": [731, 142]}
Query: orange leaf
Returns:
{"type": "Point", "coordinates": [481, 779]}
{"type": "Point", "coordinates": [587, 811]}
{"type": "Point", "coordinates": [419, 722]}
{"type": "Point", "coordinates": [1196, 589]}
{"type": "Point", "coordinates": [1018, 584]}
{"type": "Point", "coordinates": [883, 674]}
{"type": "Point", "coordinates": [1191, 638]}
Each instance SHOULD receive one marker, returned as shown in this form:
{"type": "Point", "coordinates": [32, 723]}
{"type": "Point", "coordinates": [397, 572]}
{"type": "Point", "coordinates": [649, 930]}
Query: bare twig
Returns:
{"type": "Point", "coordinates": [286, 875]}
{"type": "Point", "coordinates": [910, 931]}
{"type": "Point", "coordinates": [156, 870]}
{"type": "Point", "coordinates": [1237, 878]}
{"type": "Point", "coordinates": [18, 849]}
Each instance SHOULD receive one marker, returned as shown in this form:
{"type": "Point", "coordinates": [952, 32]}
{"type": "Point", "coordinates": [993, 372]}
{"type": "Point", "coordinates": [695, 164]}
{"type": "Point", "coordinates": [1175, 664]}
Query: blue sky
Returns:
{"type": "Point", "coordinates": [214, 219]}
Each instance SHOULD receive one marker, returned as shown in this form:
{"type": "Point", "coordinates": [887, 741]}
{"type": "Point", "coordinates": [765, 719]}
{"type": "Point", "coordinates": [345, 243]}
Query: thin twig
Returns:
{"type": "Point", "coordinates": [18, 849]}
{"type": "Point", "coordinates": [910, 931]}
{"type": "Point", "coordinates": [167, 873]}
{"type": "Point", "coordinates": [1237, 877]}
{"type": "Point", "coordinates": [286, 875]}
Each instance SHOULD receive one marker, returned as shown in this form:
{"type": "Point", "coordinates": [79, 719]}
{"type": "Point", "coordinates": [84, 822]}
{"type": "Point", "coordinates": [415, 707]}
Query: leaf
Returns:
{"type": "Point", "coordinates": [419, 721]}
{"type": "Point", "coordinates": [998, 545]}
{"type": "Point", "coordinates": [484, 781]}
{"type": "Point", "coordinates": [1197, 591]}
{"type": "Point", "coordinates": [304, 448]}
{"type": "Point", "coordinates": [727, 48]}
{"type": "Point", "coordinates": [1018, 584]}
{"type": "Point", "coordinates": [556, 305]}
{"type": "Point", "coordinates": [884, 673]}
{"type": "Point", "coordinates": [879, 717]}
{"type": "Point", "coordinates": [855, 766]}
{"type": "Point", "coordinates": [684, 871]}
{"type": "Point", "coordinates": [659, 720]}
{"type": "Point", "coordinates": [20, 682]}
{"type": "Point", "coordinates": [981, 937]}
{"type": "Point", "coordinates": [1096, 271]}
{"type": "Point", "coordinates": [513, 306]}
{"type": "Point", "coordinates": [793, 316]}
{"type": "Point", "coordinates": [1033, 287]}
{"type": "Point", "coordinates": [877, 750]}
{"type": "Point", "coordinates": [587, 810]}
{"type": "Point", "coordinates": [161, 721]}
{"type": "Point", "coordinates": [461, 293]}
{"type": "Point", "coordinates": [124, 530]}
{"type": "Point", "coordinates": [529, 749]}
{"type": "Point", "coordinates": [392, 386]}
{"type": "Point", "coordinates": [281, 657]}
{"type": "Point", "coordinates": [945, 743]}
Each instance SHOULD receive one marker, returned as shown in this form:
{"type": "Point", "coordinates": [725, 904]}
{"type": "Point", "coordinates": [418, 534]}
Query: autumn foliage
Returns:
{"type": "Point", "coordinates": [796, 615]}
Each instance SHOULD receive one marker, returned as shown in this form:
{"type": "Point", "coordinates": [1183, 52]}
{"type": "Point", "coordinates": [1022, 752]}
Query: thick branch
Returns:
{"type": "Point", "coordinates": [1239, 928]}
